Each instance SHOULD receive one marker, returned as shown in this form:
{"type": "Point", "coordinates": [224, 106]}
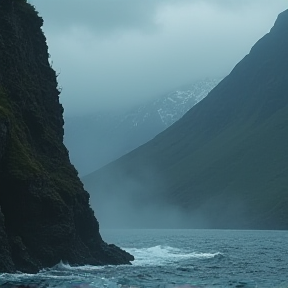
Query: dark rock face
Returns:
{"type": "Point", "coordinates": [224, 163]}
{"type": "Point", "coordinates": [6, 263]}
{"type": "Point", "coordinates": [45, 215]}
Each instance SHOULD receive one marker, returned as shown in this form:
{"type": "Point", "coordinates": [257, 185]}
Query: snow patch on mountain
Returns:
{"type": "Point", "coordinates": [95, 140]}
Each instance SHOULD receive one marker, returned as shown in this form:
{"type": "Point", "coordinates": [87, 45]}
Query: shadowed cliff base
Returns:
{"type": "Point", "coordinates": [45, 216]}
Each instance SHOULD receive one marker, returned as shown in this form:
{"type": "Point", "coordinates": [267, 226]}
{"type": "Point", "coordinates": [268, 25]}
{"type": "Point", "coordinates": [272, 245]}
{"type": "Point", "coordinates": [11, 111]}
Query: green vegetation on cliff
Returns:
{"type": "Point", "coordinates": [45, 214]}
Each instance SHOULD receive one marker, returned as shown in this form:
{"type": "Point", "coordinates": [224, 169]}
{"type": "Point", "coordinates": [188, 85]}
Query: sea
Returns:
{"type": "Point", "coordinates": [176, 258]}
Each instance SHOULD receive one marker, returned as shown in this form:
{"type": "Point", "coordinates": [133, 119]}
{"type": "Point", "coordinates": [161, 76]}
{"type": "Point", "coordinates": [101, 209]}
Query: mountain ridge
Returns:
{"type": "Point", "coordinates": [97, 139]}
{"type": "Point", "coordinates": [218, 163]}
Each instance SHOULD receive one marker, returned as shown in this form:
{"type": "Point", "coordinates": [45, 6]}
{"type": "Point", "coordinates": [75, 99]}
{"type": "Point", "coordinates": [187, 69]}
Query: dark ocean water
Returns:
{"type": "Point", "coordinates": [178, 258]}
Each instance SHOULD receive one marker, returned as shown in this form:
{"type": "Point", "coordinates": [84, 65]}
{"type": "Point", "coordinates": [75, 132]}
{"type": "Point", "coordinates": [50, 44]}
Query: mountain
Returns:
{"type": "Point", "coordinates": [45, 216]}
{"type": "Point", "coordinates": [224, 164]}
{"type": "Point", "coordinates": [95, 140]}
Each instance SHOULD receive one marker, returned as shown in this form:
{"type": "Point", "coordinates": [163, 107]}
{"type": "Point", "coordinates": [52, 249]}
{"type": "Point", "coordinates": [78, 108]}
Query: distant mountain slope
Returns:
{"type": "Point", "coordinates": [223, 165]}
{"type": "Point", "coordinates": [96, 140]}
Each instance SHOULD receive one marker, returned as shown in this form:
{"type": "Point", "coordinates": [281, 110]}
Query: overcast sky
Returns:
{"type": "Point", "coordinates": [113, 53]}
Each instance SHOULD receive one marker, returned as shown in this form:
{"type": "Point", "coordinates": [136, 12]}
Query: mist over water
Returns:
{"type": "Point", "coordinates": [139, 203]}
{"type": "Point", "coordinates": [132, 203]}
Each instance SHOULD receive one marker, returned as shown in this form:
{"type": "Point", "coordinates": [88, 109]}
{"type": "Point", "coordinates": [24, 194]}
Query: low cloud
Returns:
{"type": "Point", "coordinates": [112, 53]}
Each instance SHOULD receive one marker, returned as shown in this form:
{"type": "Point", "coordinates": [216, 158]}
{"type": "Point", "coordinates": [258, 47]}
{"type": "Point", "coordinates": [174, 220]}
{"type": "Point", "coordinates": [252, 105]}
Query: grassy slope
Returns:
{"type": "Point", "coordinates": [227, 157]}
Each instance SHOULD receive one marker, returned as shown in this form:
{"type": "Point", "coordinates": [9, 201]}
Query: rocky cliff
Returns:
{"type": "Point", "coordinates": [45, 215]}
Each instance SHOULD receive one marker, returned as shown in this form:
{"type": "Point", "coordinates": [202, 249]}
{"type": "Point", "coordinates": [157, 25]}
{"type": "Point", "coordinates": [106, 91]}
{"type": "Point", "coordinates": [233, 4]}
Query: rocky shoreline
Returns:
{"type": "Point", "coordinates": [45, 215]}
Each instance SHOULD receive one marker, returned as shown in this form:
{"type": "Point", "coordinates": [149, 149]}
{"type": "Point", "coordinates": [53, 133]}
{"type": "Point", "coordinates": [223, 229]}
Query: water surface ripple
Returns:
{"type": "Point", "coordinates": [177, 258]}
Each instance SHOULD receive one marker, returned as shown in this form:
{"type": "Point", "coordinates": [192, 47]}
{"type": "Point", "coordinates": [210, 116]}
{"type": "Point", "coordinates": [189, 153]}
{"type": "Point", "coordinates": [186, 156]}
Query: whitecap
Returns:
{"type": "Point", "coordinates": [159, 255]}
{"type": "Point", "coordinates": [65, 266]}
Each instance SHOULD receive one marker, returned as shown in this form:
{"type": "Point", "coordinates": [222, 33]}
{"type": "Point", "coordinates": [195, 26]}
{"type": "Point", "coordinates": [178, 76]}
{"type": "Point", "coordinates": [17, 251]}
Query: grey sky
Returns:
{"type": "Point", "coordinates": [113, 53]}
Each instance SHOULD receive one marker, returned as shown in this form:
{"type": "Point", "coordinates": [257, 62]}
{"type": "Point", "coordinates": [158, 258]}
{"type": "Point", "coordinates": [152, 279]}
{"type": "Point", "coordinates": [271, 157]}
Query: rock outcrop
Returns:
{"type": "Point", "coordinates": [45, 216]}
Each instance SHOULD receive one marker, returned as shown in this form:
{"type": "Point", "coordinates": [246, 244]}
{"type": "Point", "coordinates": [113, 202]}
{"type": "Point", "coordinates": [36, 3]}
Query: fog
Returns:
{"type": "Point", "coordinates": [137, 202]}
{"type": "Point", "coordinates": [141, 200]}
{"type": "Point", "coordinates": [133, 205]}
{"type": "Point", "coordinates": [112, 53]}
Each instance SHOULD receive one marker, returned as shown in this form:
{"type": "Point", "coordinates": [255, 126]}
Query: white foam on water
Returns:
{"type": "Point", "coordinates": [65, 276]}
{"type": "Point", "coordinates": [65, 266]}
{"type": "Point", "coordinates": [159, 255]}
{"type": "Point", "coordinates": [62, 276]}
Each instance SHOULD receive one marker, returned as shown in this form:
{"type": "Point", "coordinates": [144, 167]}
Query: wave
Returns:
{"type": "Point", "coordinates": [61, 275]}
{"type": "Point", "coordinates": [65, 266]}
{"type": "Point", "coordinates": [159, 255]}
{"type": "Point", "coordinates": [64, 275]}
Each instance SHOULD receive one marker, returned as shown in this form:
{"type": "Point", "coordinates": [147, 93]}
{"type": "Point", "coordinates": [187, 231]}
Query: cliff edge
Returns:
{"type": "Point", "coordinates": [45, 216]}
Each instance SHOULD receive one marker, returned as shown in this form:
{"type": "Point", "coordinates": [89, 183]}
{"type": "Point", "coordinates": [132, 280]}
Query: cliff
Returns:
{"type": "Point", "coordinates": [224, 163]}
{"type": "Point", "coordinates": [45, 215]}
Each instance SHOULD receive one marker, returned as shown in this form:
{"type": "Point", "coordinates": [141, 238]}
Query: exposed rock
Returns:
{"type": "Point", "coordinates": [6, 263]}
{"type": "Point", "coordinates": [46, 216]}
{"type": "Point", "coordinates": [3, 136]}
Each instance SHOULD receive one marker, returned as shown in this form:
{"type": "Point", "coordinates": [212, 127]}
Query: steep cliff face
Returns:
{"type": "Point", "coordinates": [45, 215]}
